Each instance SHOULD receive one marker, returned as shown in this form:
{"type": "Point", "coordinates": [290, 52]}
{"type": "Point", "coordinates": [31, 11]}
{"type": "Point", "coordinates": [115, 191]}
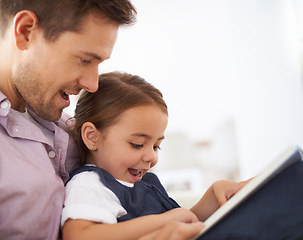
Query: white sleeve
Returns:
{"type": "Point", "coordinates": [87, 198]}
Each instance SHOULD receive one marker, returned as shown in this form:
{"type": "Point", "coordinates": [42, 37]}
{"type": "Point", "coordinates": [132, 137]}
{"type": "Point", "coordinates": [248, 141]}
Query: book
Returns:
{"type": "Point", "coordinates": [288, 157]}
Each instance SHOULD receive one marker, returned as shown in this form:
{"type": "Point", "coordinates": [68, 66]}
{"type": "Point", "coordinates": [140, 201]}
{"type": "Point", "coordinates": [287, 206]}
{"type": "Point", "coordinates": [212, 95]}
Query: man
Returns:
{"type": "Point", "coordinates": [49, 50]}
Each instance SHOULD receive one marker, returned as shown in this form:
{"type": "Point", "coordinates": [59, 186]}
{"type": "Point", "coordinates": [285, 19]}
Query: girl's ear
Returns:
{"type": "Point", "coordinates": [90, 135]}
{"type": "Point", "coordinates": [25, 22]}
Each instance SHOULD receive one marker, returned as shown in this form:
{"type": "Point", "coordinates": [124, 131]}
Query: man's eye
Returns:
{"type": "Point", "coordinates": [85, 61]}
{"type": "Point", "coordinates": [136, 146]}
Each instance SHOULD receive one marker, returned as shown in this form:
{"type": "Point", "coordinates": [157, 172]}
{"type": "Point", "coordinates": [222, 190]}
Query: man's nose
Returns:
{"type": "Point", "coordinates": [90, 81]}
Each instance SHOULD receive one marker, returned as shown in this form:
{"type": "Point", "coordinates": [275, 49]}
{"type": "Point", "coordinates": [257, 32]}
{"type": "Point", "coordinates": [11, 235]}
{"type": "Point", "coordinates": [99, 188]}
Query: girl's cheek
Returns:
{"type": "Point", "coordinates": [154, 163]}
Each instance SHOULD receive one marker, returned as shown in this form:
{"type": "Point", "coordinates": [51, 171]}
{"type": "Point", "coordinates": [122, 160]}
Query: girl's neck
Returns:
{"type": "Point", "coordinates": [89, 160]}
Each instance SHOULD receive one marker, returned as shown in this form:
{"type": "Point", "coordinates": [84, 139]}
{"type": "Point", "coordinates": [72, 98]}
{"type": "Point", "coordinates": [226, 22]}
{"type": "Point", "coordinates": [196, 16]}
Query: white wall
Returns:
{"type": "Point", "coordinates": [269, 110]}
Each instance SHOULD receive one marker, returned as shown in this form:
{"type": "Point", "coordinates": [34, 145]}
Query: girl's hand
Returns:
{"type": "Point", "coordinates": [215, 196]}
{"type": "Point", "coordinates": [224, 189]}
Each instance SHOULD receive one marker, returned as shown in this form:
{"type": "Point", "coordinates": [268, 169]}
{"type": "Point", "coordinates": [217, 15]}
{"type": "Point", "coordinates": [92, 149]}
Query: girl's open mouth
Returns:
{"type": "Point", "coordinates": [135, 174]}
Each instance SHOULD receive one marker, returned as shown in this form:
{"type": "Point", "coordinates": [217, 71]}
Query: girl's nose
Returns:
{"type": "Point", "coordinates": [150, 156]}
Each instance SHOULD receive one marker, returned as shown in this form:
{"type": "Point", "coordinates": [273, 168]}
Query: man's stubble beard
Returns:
{"type": "Point", "coordinates": [30, 90]}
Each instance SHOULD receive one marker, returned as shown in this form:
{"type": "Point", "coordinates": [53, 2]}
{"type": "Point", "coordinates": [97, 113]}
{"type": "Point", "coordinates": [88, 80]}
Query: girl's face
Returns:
{"type": "Point", "coordinates": [129, 148]}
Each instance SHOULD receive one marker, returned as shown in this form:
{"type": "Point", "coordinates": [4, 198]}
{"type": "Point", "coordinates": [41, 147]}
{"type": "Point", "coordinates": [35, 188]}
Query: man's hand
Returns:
{"type": "Point", "coordinates": [175, 231]}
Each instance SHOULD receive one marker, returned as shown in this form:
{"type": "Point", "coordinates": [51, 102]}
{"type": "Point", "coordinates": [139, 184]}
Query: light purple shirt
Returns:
{"type": "Point", "coordinates": [32, 175]}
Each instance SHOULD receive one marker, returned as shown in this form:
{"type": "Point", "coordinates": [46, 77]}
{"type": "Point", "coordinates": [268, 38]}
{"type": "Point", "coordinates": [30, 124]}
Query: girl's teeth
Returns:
{"type": "Point", "coordinates": [136, 173]}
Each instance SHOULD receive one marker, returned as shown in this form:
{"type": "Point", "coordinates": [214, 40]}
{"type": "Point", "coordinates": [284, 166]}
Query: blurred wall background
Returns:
{"type": "Point", "coordinates": [231, 74]}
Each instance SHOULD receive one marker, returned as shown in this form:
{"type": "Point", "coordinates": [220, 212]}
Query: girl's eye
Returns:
{"type": "Point", "coordinates": [157, 148]}
{"type": "Point", "coordinates": [136, 146]}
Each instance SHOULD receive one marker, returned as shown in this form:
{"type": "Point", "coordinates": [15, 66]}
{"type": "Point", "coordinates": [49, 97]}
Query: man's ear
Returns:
{"type": "Point", "coordinates": [25, 22]}
{"type": "Point", "coordinates": [90, 135]}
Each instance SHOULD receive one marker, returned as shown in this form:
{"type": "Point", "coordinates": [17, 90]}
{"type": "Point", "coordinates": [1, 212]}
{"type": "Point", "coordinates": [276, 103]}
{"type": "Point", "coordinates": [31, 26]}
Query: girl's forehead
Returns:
{"type": "Point", "coordinates": [144, 112]}
{"type": "Point", "coordinates": [142, 109]}
{"type": "Point", "coordinates": [144, 119]}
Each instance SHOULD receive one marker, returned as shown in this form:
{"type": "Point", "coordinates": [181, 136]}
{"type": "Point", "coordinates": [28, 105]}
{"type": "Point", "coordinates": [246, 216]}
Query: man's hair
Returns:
{"type": "Point", "coordinates": [58, 16]}
{"type": "Point", "coordinates": [117, 93]}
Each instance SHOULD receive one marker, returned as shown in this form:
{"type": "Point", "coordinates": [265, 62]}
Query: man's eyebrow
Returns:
{"type": "Point", "coordinates": [91, 54]}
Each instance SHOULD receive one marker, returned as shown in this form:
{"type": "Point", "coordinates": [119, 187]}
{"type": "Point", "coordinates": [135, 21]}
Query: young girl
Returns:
{"type": "Point", "coordinates": [119, 130]}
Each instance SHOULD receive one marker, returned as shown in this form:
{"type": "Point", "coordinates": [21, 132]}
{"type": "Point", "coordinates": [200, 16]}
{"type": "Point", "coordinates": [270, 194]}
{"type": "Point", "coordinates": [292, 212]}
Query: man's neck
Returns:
{"type": "Point", "coordinates": [17, 102]}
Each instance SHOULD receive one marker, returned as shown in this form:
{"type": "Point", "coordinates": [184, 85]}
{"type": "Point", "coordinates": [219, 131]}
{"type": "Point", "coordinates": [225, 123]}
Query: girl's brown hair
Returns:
{"type": "Point", "coordinates": [117, 93]}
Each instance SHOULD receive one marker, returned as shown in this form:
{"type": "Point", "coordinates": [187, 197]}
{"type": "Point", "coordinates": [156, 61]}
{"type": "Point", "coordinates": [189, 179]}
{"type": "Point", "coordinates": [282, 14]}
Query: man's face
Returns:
{"type": "Point", "coordinates": [50, 71]}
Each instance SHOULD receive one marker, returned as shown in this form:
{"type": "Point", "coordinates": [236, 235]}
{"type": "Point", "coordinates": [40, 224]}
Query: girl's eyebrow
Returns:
{"type": "Point", "coordinates": [145, 136]}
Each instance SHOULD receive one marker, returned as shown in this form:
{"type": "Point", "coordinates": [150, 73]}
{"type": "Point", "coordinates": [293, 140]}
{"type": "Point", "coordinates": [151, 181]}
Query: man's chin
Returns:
{"type": "Point", "coordinates": [51, 116]}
